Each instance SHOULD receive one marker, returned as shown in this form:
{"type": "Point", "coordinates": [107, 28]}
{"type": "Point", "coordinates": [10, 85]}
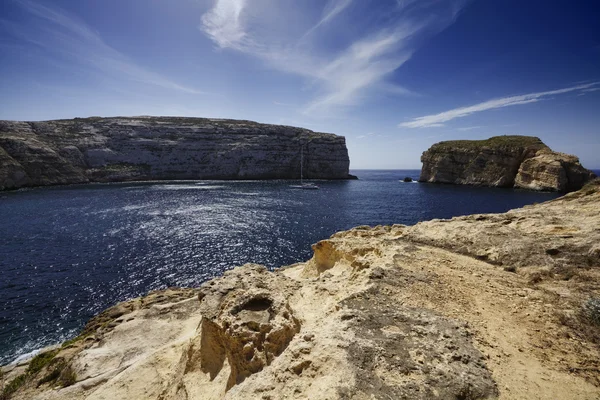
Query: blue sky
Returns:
{"type": "Point", "coordinates": [393, 76]}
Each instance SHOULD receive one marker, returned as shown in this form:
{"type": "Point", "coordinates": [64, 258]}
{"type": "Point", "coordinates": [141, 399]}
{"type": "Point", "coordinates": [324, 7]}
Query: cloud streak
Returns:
{"type": "Point", "coordinates": [334, 8]}
{"type": "Point", "coordinates": [341, 75]}
{"type": "Point", "coordinates": [67, 36]}
{"type": "Point", "coordinates": [438, 120]}
{"type": "Point", "coordinates": [469, 128]}
{"type": "Point", "coordinates": [222, 24]}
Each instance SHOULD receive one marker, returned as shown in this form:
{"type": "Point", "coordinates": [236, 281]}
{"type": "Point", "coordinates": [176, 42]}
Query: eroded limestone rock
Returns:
{"type": "Point", "coordinates": [246, 320]}
{"type": "Point", "coordinates": [552, 171]}
{"type": "Point", "coordinates": [503, 161]}
{"type": "Point", "coordinates": [153, 148]}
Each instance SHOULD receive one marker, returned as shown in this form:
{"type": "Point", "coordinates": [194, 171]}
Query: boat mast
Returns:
{"type": "Point", "coordinates": [301, 162]}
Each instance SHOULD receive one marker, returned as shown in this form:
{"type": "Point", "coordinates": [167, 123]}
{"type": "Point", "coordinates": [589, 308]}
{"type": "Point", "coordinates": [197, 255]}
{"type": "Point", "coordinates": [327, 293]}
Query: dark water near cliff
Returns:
{"type": "Point", "coordinates": [67, 253]}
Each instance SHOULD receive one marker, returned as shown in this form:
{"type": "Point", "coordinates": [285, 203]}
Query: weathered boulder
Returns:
{"type": "Point", "coordinates": [503, 161]}
{"type": "Point", "coordinates": [552, 171]}
{"type": "Point", "coordinates": [151, 148]}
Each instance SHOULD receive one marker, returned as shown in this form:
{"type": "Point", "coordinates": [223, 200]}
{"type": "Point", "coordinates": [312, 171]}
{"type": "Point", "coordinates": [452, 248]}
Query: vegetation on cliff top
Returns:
{"type": "Point", "coordinates": [58, 371]}
{"type": "Point", "coordinates": [530, 142]}
{"type": "Point", "coordinates": [75, 126]}
{"type": "Point", "coordinates": [184, 121]}
{"type": "Point", "coordinates": [35, 365]}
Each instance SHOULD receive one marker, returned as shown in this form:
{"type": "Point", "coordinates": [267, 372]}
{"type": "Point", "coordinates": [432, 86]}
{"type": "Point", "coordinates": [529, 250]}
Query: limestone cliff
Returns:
{"type": "Point", "coordinates": [485, 306]}
{"type": "Point", "coordinates": [503, 161]}
{"type": "Point", "coordinates": [148, 148]}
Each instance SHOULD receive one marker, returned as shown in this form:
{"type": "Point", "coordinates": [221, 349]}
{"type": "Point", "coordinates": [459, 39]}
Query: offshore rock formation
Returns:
{"type": "Point", "coordinates": [503, 161]}
{"type": "Point", "coordinates": [149, 148]}
{"type": "Point", "coordinates": [478, 307]}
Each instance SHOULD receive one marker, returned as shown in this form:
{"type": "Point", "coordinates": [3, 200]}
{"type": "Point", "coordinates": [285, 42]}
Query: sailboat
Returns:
{"type": "Point", "coordinates": [303, 185]}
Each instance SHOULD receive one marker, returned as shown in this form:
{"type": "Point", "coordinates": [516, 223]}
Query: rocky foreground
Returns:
{"type": "Point", "coordinates": [118, 149]}
{"type": "Point", "coordinates": [484, 306]}
{"type": "Point", "coordinates": [503, 161]}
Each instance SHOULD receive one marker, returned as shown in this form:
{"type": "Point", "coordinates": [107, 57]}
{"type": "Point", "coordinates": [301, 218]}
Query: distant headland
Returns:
{"type": "Point", "coordinates": [95, 149]}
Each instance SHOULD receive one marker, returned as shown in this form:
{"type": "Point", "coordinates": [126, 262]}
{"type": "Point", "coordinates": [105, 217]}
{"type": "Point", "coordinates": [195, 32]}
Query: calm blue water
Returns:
{"type": "Point", "coordinates": [67, 253]}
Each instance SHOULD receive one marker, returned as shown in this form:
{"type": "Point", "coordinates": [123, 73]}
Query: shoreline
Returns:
{"type": "Point", "coordinates": [163, 181]}
{"type": "Point", "coordinates": [121, 186]}
{"type": "Point", "coordinates": [440, 273]}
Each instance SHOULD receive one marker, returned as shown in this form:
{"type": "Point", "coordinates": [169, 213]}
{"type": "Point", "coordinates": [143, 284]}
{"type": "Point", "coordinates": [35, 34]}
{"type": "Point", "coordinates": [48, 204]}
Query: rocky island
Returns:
{"type": "Point", "coordinates": [117, 149]}
{"type": "Point", "coordinates": [503, 161]}
{"type": "Point", "coordinates": [477, 307]}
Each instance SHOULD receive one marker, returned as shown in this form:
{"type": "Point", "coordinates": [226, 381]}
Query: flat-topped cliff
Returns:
{"type": "Point", "coordinates": [154, 148]}
{"type": "Point", "coordinates": [478, 307]}
{"type": "Point", "coordinates": [503, 161]}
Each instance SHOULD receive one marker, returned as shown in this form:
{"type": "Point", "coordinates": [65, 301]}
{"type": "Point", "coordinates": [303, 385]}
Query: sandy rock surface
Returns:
{"type": "Point", "coordinates": [477, 307]}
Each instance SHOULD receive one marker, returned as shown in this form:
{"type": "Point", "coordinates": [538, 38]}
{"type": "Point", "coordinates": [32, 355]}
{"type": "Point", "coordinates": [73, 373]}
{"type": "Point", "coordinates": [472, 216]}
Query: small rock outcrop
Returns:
{"type": "Point", "coordinates": [247, 325]}
{"type": "Point", "coordinates": [503, 161]}
{"type": "Point", "coordinates": [156, 148]}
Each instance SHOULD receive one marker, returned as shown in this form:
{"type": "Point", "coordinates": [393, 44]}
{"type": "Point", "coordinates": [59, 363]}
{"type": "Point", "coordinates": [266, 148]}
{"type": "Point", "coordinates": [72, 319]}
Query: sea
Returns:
{"type": "Point", "coordinates": [69, 252]}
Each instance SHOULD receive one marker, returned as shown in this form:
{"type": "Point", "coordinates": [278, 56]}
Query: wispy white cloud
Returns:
{"type": "Point", "coordinates": [469, 128]}
{"type": "Point", "coordinates": [333, 8]}
{"type": "Point", "coordinates": [335, 76]}
{"type": "Point", "coordinates": [437, 120]}
{"type": "Point", "coordinates": [222, 23]}
{"type": "Point", "coordinates": [371, 135]}
{"type": "Point", "coordinates": [279, 103]}
{"type": "Point", "coordinates": [70, 37]}
{"type": "Point", "coordinates": [592, 89]}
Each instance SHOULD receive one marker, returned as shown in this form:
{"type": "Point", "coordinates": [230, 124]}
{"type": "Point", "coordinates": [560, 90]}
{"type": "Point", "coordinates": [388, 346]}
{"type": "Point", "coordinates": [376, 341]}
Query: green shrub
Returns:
{"type": "Point", "coordinates": [513, 141]}
{"type": "Point", "coordinates": [13, 386]}
{"type": "Point", "coordinates": [37, 364]}
{"type": "Point", "coordinates": [40, 361]}
{"type": "Point", "coordinates": [591, 310]}
{"type": "Point", "coordinates": [67, 376]}
{"type": "Point", "coordinates": [51, 377]}
{"type": "Point", "coordinates": [75, 339]}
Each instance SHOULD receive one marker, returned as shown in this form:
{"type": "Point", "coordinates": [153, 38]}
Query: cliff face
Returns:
{"type": "Point", "coordinates": [478, 307]}
{"type": "Point", "coordinates": [503, 161]}
{"type": "Point", "coordinates": [146, 148]}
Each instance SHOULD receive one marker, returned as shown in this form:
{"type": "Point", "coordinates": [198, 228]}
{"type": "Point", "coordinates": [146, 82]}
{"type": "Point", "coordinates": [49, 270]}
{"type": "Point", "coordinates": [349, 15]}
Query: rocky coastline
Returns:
{"type": "Point", "coordinates": [523, 162]}
{"type": "Point", "coordinates": [484, 306]}
{"type": "Point", "coordinates": [119, 149]}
